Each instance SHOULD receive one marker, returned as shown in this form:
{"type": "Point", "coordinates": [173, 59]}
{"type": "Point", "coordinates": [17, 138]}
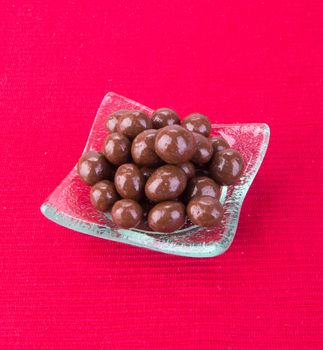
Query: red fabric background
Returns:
{"type": "Point", "coordinates": [237, 61]}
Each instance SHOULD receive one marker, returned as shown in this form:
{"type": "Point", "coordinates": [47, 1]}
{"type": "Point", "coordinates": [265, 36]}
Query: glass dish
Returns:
{"type": "Point", "coordinates": [69, 204]}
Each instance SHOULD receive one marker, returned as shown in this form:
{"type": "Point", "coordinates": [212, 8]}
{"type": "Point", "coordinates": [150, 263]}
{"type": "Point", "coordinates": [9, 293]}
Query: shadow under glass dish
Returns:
{"type": "Point", "coordinates": [69, 205]}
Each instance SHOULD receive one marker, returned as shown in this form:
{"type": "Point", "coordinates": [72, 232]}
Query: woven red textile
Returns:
{"type": "Point", "coordinates": [236, 61]}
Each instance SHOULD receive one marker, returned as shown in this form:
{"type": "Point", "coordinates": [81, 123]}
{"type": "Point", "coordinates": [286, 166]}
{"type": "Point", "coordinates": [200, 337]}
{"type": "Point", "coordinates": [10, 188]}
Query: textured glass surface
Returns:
{"type": "Point", "coordinates": [69, 204]}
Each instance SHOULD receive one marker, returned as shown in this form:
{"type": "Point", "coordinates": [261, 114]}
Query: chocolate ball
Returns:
{"type": "Point", "coordinates": [166, 183]}
{"type": "Point", "coordinates": [202, 186]}
{"type": "Point", "coordinates": [103, 195]}
{"type": "Point", "coordinates": [197, 122]}
{"type": "Point", "coordinates": [218, 143]}
{"type": "Point", "coordinates": [117, 149]}
{"type": "Point", "coordinates": [133, 123]}
{"type": "Point", "coordinates": [167, 217]}
{"type": "Point", "coordinates": [205, 211]}
{"type": "Point", "coordinates": [226, 166]}
{"type": "Point", "coordinates": [175, 144]}
{"type": "Point", "coordinates": [143, 148]}
{"type": "Point", "coordinates": [112, 120]}
{"type": "Point", "coordinates": [188, 168]}
{"type": "Point", "coordinates": [93, 167]}
{"type": "Point", "coordinates": [129, 181]}
{"type": "Point", "coordinates": [164, 117]}
{"type": "Point", "coordinates": [126, 213]}
{"type": "Point", "coordinates": [147, 172]}
{"type": "Point", "coordinates": [204, 149]}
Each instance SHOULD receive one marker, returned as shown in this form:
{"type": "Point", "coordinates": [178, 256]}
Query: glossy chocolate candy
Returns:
{"type": "Point", "coordinates": [133, 123]}
{"type": "Point", "coordinates": [143, 148]}
{"type": "Point", "coordinates": [205, 211]}
{"type": "Point", "coordinates": [164, 117]}
{"type": "Point", "coordinates": [175, 144]}
{"type": "Point", "coordinates": [103, 195]}
{"type": "Point", "coordinates": [226, 166]}
{"type": "Point", "coordinates": [189, 169]}
{"type": "Point", "coordinates": [93, 167]}
{"type": "Point", "coordinates": [113, 119]}
{"type": "Point", "coordinates": [218, 143]}
{"type": "Point", "coordinates": [129, 181]}
{"type": "Point", "coordinates": [204, 150]}
{"type": "Point", "coordinates": [167, 216]}
{"type": "Point", "coordinates": [198, 123]}
{"type": "Point", "coordinates": [166, 183]}
{"type": "Point", "coordinates": [127, 213]}
{"type": "Point", "coordinates": [202, 186]}
{"type": "Point", "coordinates": [117, 149]}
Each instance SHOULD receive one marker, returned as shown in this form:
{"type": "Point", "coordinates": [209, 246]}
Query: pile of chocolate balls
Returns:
{"type": "Point", "coordinates": [160, 169]}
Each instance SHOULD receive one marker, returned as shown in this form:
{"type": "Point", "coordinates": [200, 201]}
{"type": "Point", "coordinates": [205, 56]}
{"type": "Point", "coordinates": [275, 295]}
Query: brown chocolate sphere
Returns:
{"type": "Point", "coordinates": [226, 166]}
{"type": "Point", "coordinates": [188, 168]}
{"type": "Point", "coordinates": [164, 117]}
{"type": "Point", "coordinates": [205, 211]}
{"type": "Point", "coordinates": [204, 150]}
{"type": "Point", "coordinates": [166, 183]}
{"type": "Point", "coordinates": [202, 186]}
{"type": "Point", "coordinates": [167, 217]}
{"type": "Point", "coordinates": [117, 149]}
{"type": "Point", "coordinates": [198, 123]}
{"type": "Point", "coordinates": [133, 123]}
{"type": "Point", "coordinates": [112, 120]}
{"type": "Point", "coordinates": [129, 181]}
{"type": "Point", "coordinates": [143, 148]}
{"type": "Point", "coordinates": [103, 195]}
{"type": "Point", "coordinates": [175, 144]}
{"type": "Point", "coordinates": [218, 143]}
{"type": "Point", "coordinates": [93, 167]}
{"type": "Point", "coordinates": [126, 213]}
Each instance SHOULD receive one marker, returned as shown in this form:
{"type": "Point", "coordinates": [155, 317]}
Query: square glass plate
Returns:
{"type": "Point", "coordinates": [69, 205]}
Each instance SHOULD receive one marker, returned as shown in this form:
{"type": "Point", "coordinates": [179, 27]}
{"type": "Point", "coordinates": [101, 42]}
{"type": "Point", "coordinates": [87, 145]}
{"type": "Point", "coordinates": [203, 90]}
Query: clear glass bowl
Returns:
{"type": "Point", "coordinates": [69, 204]}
